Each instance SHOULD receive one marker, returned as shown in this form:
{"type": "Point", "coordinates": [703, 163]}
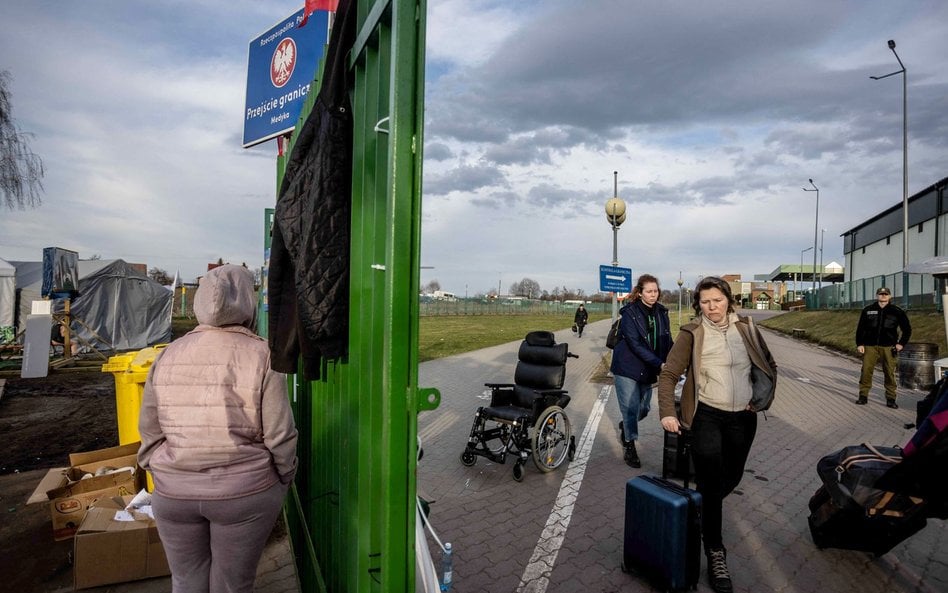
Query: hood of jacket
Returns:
{"type": "Point", "coordinates": [225, 296]}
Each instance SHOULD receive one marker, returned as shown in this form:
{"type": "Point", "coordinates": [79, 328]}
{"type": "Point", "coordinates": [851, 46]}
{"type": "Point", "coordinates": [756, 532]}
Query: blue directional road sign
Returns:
{"type": "Point", "coordinates": [614, 279]}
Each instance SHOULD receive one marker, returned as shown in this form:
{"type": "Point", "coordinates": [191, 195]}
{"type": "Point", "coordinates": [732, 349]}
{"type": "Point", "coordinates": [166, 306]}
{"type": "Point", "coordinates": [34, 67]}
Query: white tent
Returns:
{"type": "Point", "coordinates": [7, 300]}
{"type": "Point", "coordinates": [123, 308]}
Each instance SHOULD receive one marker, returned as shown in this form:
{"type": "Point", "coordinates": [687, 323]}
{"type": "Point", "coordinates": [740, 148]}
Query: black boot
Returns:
{"type": "Point", "coordinates": [718, 576]}
{"type": "Point", "coordinates": [631, 456]}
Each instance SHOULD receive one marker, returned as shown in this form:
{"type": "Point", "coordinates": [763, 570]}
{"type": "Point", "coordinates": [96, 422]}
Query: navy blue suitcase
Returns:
{"type": "Point", "coordinates": [662, 532]}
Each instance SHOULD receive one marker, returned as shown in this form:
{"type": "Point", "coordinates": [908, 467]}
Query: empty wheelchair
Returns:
{"type": "Point", "coordinates": [526, 418]}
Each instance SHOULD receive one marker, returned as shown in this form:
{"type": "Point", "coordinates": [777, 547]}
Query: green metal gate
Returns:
{"type": "Point", "coordinates": [352, 510]}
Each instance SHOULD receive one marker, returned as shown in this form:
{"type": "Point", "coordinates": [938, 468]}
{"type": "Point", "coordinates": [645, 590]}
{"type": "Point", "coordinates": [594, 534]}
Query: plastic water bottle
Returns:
{"type": "Point", "coordinates": [446, 568]}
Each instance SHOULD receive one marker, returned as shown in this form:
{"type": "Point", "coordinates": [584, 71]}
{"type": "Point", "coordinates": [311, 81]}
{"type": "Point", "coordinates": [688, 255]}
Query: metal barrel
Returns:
{"type": "Point", "coordinates": [917, 365]}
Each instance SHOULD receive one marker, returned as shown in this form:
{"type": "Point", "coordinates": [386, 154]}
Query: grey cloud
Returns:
{"type": "Point", "coordinates": [438, 151]}
{"type": "Point", "coordinates": [497, 200]}
{"type": "Point", "coordinates": [521, 151]}
{"type": "Point", "coordinates": [661, 64]}
{"type": "Point", "coordinates": [467, 178]}
{"type": "Point", "coordinates": [550, 196]}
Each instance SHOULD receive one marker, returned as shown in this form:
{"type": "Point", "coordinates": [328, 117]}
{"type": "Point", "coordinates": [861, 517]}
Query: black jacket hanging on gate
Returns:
{"type": "Point", "coordinates": [309, 253]}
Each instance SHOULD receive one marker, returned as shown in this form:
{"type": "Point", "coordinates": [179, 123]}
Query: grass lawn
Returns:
{"type": "Point", "coordinates": [441, 336]}
{"type": "Point", "coordinates": [448, 335]}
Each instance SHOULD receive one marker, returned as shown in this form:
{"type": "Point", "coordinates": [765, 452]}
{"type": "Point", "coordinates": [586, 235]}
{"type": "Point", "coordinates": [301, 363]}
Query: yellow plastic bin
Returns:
{"type": "Point", "coordinates": [131, 371]}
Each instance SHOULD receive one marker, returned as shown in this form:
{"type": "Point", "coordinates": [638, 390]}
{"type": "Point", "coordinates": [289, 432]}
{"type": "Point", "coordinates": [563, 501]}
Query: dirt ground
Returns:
{"type": "Point", "coordinates": [42, 421]}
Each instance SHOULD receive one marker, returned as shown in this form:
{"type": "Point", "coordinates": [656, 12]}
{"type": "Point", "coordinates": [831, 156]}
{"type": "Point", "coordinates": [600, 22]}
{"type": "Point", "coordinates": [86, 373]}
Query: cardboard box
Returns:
{"type": "Point", "coordinates": [107, 550]}
{"type": "Point", "coordinates": [69, 496]}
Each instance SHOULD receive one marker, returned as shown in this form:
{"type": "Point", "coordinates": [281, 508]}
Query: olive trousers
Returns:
{"type": "Point", "coordinates": [873, 355]}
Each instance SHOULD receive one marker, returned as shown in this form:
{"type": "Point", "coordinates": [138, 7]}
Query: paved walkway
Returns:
{"type": "Point", "coordinates": [562, 531]}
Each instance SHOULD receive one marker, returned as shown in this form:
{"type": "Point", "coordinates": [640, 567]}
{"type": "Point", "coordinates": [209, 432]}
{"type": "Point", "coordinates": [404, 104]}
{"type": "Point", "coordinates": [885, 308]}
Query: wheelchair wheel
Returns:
{"type": "Point", "coordinates": [518, 471]}
{"type": "Point", "coordinates": [467, 458]}
{"type": "Point", "coordinates": [551, 439]}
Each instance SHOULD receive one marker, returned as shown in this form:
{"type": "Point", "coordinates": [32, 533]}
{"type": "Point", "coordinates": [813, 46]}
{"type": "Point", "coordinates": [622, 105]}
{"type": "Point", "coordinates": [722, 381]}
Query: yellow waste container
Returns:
{"type": "Point", "coordinates": [131, 371]}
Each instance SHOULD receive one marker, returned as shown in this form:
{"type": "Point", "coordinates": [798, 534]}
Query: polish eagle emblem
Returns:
{"type": "Point", "coordinates": [283, 62]}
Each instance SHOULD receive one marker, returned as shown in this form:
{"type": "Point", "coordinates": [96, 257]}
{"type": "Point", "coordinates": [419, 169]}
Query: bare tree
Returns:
{"type": "Point", "coordinates": [526, 288]}
{"type": "Point", "coordinates": [431, 287]}
{"type": "Point", "coordinates": [21, 171]}
{"type": "Point", "coordinates": [160, 276]}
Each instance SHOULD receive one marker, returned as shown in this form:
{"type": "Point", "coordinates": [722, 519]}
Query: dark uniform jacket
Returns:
{"type": "Point", "coordinates": [880, 326]}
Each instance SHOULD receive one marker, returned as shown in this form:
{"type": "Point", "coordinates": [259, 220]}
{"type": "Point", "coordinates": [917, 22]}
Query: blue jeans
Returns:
{"type": "Point", "coordinates": [635, 400]}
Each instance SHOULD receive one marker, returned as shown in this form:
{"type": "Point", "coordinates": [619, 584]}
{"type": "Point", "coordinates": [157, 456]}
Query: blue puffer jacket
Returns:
{"type": "Point", "coordinates": [632, 356]}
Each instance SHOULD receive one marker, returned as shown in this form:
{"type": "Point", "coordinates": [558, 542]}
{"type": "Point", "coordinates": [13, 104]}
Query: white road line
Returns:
{"type": "Point", "coordinates": [536, 576]}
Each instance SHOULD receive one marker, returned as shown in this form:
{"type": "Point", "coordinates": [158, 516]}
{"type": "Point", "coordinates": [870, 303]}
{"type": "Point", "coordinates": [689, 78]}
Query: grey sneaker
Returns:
{"type": "Point", "coordinates": [718, 576]}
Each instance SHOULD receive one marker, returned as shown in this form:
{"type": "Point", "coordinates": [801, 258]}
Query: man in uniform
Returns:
{"type": "Point", "coordinates": [882, 331]}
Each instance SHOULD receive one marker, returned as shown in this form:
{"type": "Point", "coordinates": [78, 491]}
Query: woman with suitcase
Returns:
{"type": "Point", "coordinates": [731, 376]}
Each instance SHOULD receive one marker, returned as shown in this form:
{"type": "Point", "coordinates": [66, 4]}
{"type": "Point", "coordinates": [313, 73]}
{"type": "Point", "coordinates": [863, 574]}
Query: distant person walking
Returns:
{"type": "Point", "coordinates": [731, 375]}
{"type": "Point", "coordinates": [580, 319]}
{"type": "Point", "coordinates": [882, 332]}
{"type": "Point", "coordinates": [644, 342]}
{"type": "Point", "coordinates": [219, 438]}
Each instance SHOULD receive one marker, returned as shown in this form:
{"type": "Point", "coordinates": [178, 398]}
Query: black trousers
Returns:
{"type": "Point", "coordinates": [720, 444]}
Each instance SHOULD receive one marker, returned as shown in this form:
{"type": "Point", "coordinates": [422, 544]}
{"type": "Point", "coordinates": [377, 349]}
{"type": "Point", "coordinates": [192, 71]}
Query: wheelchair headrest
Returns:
{"type": "Point", "coordinates": [540, 338]}
{"type": "Point", "coordinates": [546, 355]}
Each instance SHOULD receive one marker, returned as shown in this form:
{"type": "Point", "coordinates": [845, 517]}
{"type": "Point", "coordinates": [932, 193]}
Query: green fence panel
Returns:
{"type": "Point", "coordinates": [911, 291]}
{"type": "Point", "coordinates": [351, 514]}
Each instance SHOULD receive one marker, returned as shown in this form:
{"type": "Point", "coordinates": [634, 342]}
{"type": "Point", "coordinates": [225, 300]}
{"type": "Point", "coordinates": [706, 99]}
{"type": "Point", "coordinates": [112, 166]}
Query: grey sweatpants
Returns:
{"type": "Point", "coordinates": [214, 546]}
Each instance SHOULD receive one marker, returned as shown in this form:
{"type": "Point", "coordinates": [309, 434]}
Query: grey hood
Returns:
{"type": "Point", "coordinates": [225, 296]}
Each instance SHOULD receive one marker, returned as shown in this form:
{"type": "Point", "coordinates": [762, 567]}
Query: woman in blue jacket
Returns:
{"type": "Point", "coordinates": [644, 342]}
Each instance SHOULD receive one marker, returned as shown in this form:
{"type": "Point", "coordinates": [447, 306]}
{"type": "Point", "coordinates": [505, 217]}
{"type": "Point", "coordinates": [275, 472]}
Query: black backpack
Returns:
{"type": "Point", "coordinates": [613, 337]}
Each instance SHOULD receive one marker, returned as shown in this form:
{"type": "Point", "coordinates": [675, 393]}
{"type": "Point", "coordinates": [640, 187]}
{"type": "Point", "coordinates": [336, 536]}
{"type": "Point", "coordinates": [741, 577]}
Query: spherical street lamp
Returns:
{"type": "Point", "coordinates": [680, 282]}
{"type": "Point", "coordinates": [615, 214]}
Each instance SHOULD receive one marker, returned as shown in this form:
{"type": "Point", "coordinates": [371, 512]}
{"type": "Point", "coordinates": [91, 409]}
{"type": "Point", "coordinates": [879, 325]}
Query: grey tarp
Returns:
{"type": "Point", "coordinates": [126, 309]}
{"type": "Point", "coordinates": [7, 300]}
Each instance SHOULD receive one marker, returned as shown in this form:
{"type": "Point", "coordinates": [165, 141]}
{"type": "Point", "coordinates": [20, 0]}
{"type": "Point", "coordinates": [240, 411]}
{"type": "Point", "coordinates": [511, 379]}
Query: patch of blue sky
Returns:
{"type": "Point", "coordinates": [435, 69]}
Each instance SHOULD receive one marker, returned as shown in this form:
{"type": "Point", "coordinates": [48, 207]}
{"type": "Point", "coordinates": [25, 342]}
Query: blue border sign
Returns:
{"type": "Point", "coordinates": [614, 279]}
{"type": "Point", "coordinates": [281, 66]}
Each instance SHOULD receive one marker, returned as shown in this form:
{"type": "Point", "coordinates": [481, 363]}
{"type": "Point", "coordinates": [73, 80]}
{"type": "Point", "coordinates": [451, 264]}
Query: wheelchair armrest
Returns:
{"type": "Point", "coordinates": [551, 392]}
{"type": "Point", "coordinates": [551, 397]}
{"type": "Point", "coordinates": [501, 394]}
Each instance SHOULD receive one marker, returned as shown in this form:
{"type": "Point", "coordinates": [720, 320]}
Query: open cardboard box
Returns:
{"type": "Point", "coordinates": [109, 550]}
{"type": "Point", "coordinates": [69, 496]}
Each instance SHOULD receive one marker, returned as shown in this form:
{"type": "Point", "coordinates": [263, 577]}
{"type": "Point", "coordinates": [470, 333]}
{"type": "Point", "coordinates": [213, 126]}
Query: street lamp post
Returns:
{"type": "Point", "coordinates": [615, 214]}
{"type": "Point", "coordinates": [801, 266]}
{"type": "Point", "coordinates": [680, 282]}
{"type": "Point", "coordinates": [904, 74]}
{"type": "Point", "coordinates": [816, 225]}
{"type": "Point", "coordinates": [905, 242]}
{"type": "Point", "coordinates": [822, 269]}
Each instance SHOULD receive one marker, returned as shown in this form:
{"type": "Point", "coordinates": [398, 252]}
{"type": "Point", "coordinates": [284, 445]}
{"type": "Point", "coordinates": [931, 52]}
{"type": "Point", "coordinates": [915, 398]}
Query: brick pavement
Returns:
{"type": "Point", "coordinates": [494, 522]}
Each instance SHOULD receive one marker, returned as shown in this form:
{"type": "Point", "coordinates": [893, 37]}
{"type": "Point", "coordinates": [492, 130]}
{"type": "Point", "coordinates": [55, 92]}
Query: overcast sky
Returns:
{"type": "Point", "coordinates": [714, 114]}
